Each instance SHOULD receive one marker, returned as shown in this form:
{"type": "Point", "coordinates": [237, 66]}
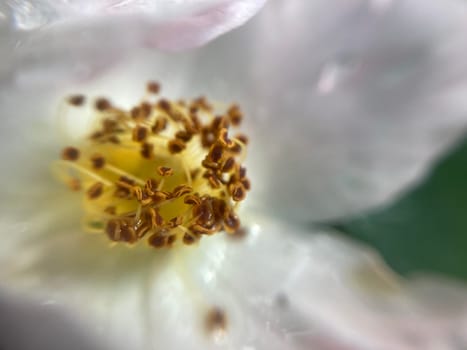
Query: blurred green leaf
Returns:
{"type": "Point", "coordinates": [426, 229]}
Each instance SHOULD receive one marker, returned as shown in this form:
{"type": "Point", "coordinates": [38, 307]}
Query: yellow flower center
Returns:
{"type": "Point", "coordinates": [165, 172]}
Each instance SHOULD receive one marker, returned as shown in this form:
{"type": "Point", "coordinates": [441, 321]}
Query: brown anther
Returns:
{"type": "Point", "coordinates": [76, 100]}
{"type": "Point", "coordinates": [237, 191]}
{"type": "Point", "coordinates": [151, 185]}
{"type": "Point", "coordinates": [96, 135]}
{"type": "Point", "coordinates": [145, 110]}
{"type": "Point", "coordinates": [147, 150]}
{"type": "Point", "coordinates": [203, 103]}
{"type": "Point", "coordinates": [102, 104]}
{"type": "Point", "coordinates": [216, 321]}
{"type": "Point", "coordinates": [113, 229]}
{"type": "Point", "coordinates": [183, 135]}
{"type": "Point", "coordinates": [202, 230]}
{"type": "Point", "coordinates": [246, 183]}
{"type": "Point", "coordinates": [157, 240]}
{"type": "Point", "coordinates": [140, 133]}
{"type": "Point", "coordinates": [111, 210]}
{"type": "Point", "coordinates": [142, 230]}
{"type": "Point", "coordinates": [109, 125]}
{"type": "Point", "coordinates": [242, 138]}
{"type": "Point", "coordinates": [194, 173]}
{"type": "Point", "coordinates": [216, 152]}
{"type": "Point", "coordinates": [135, 111]}
{"type": "Point", "coordinates": [165, 171]}
{"type": "Point", "coordinates": [159, 125]}
{"type": "Point", "coordinates": [214, 182]}
{"type": "Point", "coordinates": [160, 196]}
{"type": "Point", "coordinates": [171, 239]}
{"type": "Point", "coordinates": [176, 146]}
{"type": "Point", "coordinates": [189, 239]}
{"type": "Point", "coordinates": [228, 165]}
{"type": "Point", "coordinates": [114, 139]}
{"type": "Point", "coordinates": [127, 234]}
{"type": "Point", "coordinates": [164, 105]}
{"type": "Point", "coordinates": [219, 122]}
{"type": "Point", "coordinates": [156, 219]}
{"type": "Point", "coordinates": [181, 190]}
{"type": "Point", "coordinates": [192, 200]}
{"type": "Point", "coordinates": [95, 190]}
{"type": "Point", "coordinates": [223, 137]}
{"type": "Point", "coordinates": [70, 153]}
{"type": "Point", "coordinates": [74, 185]}
{"type": "Point", "coordinates": [193, 109]}
{"type": "Point", "coordinates": [235, 147]}
{"type": "Point", "coordinates": [204, 212]}
{"type": "Point", "coordinates": [231, 222]}
{"type": "Point", "coordinates": [175, 221]}
{"type": "Point", "coordinates": [138, 193]}
{"type": "Point", "coordinates": [242, 172]}
{"type": "Point", "coordinates": [176, 115]}
{"type": "Point", "coordinates": [219, 208]}
{"type": "Point", "coordinates": [235, 115]}
{"type": "Point", "coordinates": [153, 87]}
{"type": "Point", "coordinates": [125, 182]}
{"type": "Point", "coordinates": [209, 165]}
{"type": "Point", "coordinates": [97, 161]}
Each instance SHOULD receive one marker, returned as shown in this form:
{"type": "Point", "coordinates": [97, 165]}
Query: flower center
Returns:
{"type": "Point", "coordinates": [165, 172]}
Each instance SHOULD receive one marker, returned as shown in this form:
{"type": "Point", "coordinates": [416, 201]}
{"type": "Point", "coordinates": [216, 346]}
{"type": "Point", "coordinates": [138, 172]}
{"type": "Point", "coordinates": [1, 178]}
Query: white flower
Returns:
{"type": "Point", "coordinates": [347, 103]}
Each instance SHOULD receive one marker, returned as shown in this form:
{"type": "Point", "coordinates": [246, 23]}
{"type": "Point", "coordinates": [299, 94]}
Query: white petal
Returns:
{"type": "Point", "coordinates": [81, 39]}
{"type": "Point", "coordinates": [353, 99]}
{"type": "Point", "coordinates": [280, 287]}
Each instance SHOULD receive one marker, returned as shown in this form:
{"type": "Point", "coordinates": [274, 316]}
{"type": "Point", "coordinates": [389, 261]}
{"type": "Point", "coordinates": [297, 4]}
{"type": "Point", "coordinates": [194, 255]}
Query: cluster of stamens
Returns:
{"type": "Point", "coordinates": [163, 171]}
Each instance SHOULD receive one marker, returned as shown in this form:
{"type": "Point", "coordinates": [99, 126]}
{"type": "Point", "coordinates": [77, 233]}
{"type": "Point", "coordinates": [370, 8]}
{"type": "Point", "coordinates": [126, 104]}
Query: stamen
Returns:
{"type": "Point", "coordinates": [166, 172]}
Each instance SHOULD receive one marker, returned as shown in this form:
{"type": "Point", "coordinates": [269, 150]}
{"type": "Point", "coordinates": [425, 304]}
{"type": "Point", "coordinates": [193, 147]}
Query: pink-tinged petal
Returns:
{"type": "Point", "coordinates": [78, 46]}
{"type": "Point", "coordinates": [202, 26]}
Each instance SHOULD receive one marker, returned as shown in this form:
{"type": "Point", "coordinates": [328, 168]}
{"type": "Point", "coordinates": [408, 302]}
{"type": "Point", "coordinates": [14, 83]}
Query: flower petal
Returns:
{"type": "Point", "coordinates": [353, 100]}
{"type": "Point", "coordinates": [279, 287]}
{"type": "Point", "coordinates": [78, 40]}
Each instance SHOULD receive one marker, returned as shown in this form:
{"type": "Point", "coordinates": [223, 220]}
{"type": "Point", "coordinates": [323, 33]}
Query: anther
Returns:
{"type": "Point", "coordinates": [235, 115]}
{"type": "Point", "coordinates": [98, 161]}
{"type": "Point", "coordinates": [189, 239]}
{"type": "Point", "coordinates": [147, 150]}
{"type": "Point", "coordinates": [140, 133]}
{"type": "Point", "coordinates": [216, 321]}
{"type": "Point", "coordinates": [160, 125]}
{"type": "Point", "coordinates": [157, 240]}
{"type": "Point", "coordinates": [242, 138]}
{"type": "Point", "coordinates": [183, 135]}
{"type": "Point", "coordinates": [76, 100]}
{"type": "Point", "coordinates": [164, 105]}
{"type": "Point", "coordinates": [70, 153]}
{"type": "Point", "coordinates": [237, 191]}
{"type": "Point", "coordinates": [165, 171]}
{"type": "Point", "coordinates": [228, 165]}
{"type": "Point", "coordinates": [176, 146]}
{"type": "Point", "coordinates": [75, 185]}
{"type": "Point", "coordinates": [216, 152]}
{"type": "Point", "coordinates": [102, 104]}
{"type": "Point", "coordinates": [153, 87]}
{"type": "Point", "coordinates": [95, 190]}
